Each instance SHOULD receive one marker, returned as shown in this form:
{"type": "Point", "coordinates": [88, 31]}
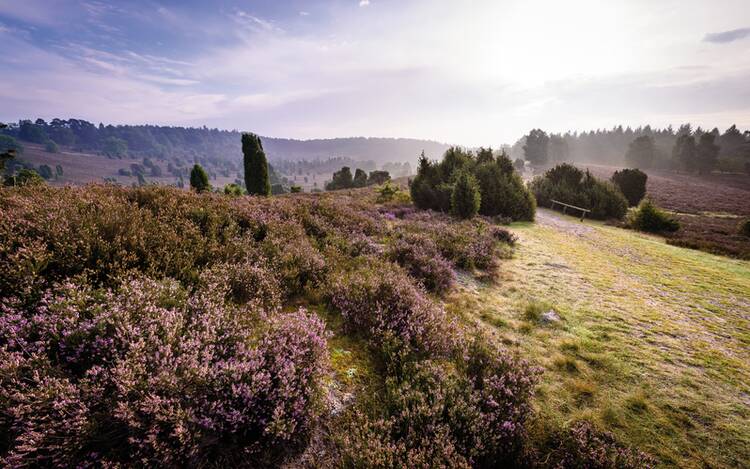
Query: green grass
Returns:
{"type": "Point", "coordinates": [654, 343]}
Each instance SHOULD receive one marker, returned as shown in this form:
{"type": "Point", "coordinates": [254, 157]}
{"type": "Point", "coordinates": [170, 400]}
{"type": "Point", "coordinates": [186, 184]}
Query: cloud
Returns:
{"type": "Point", "coordinates": [364, 3]}
{"type": "Point", "coordinates": [727, 36]}
{"type": "Point", "coordinates": [254, 23]}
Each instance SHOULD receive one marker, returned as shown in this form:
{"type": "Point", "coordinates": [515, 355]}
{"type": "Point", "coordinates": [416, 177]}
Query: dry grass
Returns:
{"type": "Point", "coordinates": [654, 341]}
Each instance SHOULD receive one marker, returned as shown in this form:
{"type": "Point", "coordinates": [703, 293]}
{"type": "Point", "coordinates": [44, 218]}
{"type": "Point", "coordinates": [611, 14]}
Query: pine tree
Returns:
{"type": "Point", "coordinates": [641, 152]}
{"type": "Point", "coordinates": [465, 199]}
{"type": "Point", "coordinates": [707, 152]}
{"type": "Point", "coordinates": [684, 152]}
{"type": "Point", "coordinates": [536, 149]}
{"type": "Point", "coordinates": [256, 166]}
{"type": "Point", "coordinates": [199, 179]}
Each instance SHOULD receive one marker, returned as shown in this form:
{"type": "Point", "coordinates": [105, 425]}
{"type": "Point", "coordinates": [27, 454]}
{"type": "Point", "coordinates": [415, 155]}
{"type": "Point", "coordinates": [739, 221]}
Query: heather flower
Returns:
{"type": "Point", "coordinates": [168, 377]}
{"type": "Point", "coordinates": [419, 255]}
{"type": "Point", "coordinates": [378, 300]}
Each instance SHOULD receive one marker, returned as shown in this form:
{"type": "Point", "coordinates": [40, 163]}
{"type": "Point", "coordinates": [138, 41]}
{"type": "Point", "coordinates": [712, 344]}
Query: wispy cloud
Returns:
{"type": "Point", "coordinates": [254, 23]}
{"type": "Point", "coordinates": [727, 36]}
{"type": "Point", "coordinates": [325, 69]}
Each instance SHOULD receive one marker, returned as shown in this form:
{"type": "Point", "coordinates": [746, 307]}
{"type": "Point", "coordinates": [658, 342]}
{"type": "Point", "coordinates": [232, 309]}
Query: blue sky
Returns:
{"type": "Point", "coordinates": [469, 72]}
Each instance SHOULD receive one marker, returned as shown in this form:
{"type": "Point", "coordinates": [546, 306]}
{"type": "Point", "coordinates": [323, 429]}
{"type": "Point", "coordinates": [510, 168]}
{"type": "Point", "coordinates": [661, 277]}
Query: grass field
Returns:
{"type": "Point", "coordinates": [653, 341]}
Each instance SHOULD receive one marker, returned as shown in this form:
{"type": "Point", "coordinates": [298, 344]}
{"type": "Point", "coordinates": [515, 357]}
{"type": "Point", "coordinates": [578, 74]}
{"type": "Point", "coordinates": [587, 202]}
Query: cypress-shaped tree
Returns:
{"type": "Point", "coordinates": [199, 179]}
{"type": "Point", "coordinates": [256, 166]}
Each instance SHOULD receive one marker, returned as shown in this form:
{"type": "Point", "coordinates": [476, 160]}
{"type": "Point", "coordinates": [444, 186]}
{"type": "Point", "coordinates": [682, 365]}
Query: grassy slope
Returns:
{"type": "Point", "coordinates": [654, 341]}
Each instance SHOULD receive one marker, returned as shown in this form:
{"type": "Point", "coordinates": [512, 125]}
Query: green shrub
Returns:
{"type": "Point", "coordinates": [360, 178]}
{"type": "Point", "coordinates": [378, 177]}
{"type": "Point", "coordinates": [295, 189]}
{"type": "Point", "coordinates": [198, 179]}
{"type": "Point", "coordinates": [387, 192]}
{"type": "Point", "coordinates": [501, 190]}
{"type": "Point", "coordinates": [503, 193]}
{"type": "Point", "coordinates": [568, 184]}
{"type": "Point", "coordinates": [744, 227]}
{"type": "Point", "coordinates": [465, 199]}
{"type": "Point", "coordinates": [233, 190]}
{"type": "Point", "coordinates": [648, 217]}
{"type": "Point", "coordinates": [25, 177]}
{"type": "Point", "coordinates": [632, 183]}
{"type": "Point", "coordinates": [51, 147]}
{"type": "Point", "coordinates": [45, 171]}
{"type": "Point", "coordinates": [342, 179]}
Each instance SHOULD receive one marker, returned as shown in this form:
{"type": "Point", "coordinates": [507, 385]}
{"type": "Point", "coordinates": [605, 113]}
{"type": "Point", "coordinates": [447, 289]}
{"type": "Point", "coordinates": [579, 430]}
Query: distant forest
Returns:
{"type": "Point", "coordinates": [217, 148]}
{"type": "Point", "coordinates": [610, 147]}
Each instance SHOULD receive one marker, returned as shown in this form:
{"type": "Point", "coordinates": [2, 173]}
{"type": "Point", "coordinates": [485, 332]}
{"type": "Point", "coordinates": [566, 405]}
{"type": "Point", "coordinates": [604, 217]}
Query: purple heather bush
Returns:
{"type": "Point", "coordinates": [439, 416]}
{"type": "Point", "coordinates": [585, 446]}
{"type": "Point", "coordinates": [149, 373]}
{"type": "Point", "coordinates": [419, 255]}
{"type": "Point", "coordinates": [378, 300]}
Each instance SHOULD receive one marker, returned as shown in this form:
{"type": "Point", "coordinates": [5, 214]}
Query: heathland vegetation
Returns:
{"type": "Point", "coordinates": [158, 326]}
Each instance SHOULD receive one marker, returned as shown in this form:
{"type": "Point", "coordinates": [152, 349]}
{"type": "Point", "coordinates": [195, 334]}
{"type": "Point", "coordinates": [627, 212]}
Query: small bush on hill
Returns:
{"type": "Point", "coordinates": [198, 179]}
{"type": "Point", "coordinates": [584, 446]}
{"type": "Point", "coordinates": [378, 177]}
{"type": "Point", "coordinates": [233, 189]}
{"type": "Point", "coordinates": [501, 190]}
{"type": "Point", "coordinates": [470, 244]}
{"type": "Point", "coordinates": [387, 192]}
{"type": "Point", "coordinates": [632, 183]}
{"type": "Point", "coordinates": [24, 177]}
{"type": "Point", "coordinates": [568, 184]}
{"type": "Point", "coordinates": [51, 147]}
{"type": "Point", "coordinates": [378, 301]}
{"type": "Point", "coordinates": [648, 217]}
{"type": "Point", "coordinates": [436, 416]}
{"type": "Point", "coordinates": [420, 256]}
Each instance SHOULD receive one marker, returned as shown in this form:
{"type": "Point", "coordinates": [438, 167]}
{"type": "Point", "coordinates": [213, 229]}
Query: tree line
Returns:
{"type": "Point", "coordinates": [686, 149]}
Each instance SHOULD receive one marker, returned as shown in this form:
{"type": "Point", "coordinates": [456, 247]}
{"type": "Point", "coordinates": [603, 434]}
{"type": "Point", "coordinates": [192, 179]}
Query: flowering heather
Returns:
{"type": "Point", "coordinates": [152, 327]}
{"type": "Point", "coordinates": [379, 300]}
{"type": "Point", "coordinates": [585, 446]}
{"type": "Point", "coordinates": [435, 417]}
{"type": "Point", "coordinates": [148, 373]}
{"type": "Point", "coordinates": [419, 255]}
{"type": "Point", "coordinates": [468, 244]}
{"type": "Point", "coordinates": [244, 283]}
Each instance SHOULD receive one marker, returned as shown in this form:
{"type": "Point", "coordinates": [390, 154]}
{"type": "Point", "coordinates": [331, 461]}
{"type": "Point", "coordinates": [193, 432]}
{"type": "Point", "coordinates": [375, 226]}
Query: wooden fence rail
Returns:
{"type": "Point", "coordinates": [566, 206]}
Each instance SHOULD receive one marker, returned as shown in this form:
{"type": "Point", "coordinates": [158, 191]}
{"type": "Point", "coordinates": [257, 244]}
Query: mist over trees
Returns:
{"type": "Point", "coordinates": [685, 149]}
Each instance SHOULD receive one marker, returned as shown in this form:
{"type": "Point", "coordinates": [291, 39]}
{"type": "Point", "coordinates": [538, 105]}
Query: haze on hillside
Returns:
{"type": "Point", "coordinates": [471, 73]}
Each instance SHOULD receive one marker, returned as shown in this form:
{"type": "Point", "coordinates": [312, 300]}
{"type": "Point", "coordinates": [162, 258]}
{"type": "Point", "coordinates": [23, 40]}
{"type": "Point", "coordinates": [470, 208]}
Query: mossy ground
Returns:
{"type": "Point", "coordinates": [653, 342]}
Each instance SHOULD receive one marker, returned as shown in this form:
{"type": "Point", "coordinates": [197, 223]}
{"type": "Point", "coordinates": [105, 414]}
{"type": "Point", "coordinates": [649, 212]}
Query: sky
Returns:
{"type": "Point", "coordinates": [469, 72]}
